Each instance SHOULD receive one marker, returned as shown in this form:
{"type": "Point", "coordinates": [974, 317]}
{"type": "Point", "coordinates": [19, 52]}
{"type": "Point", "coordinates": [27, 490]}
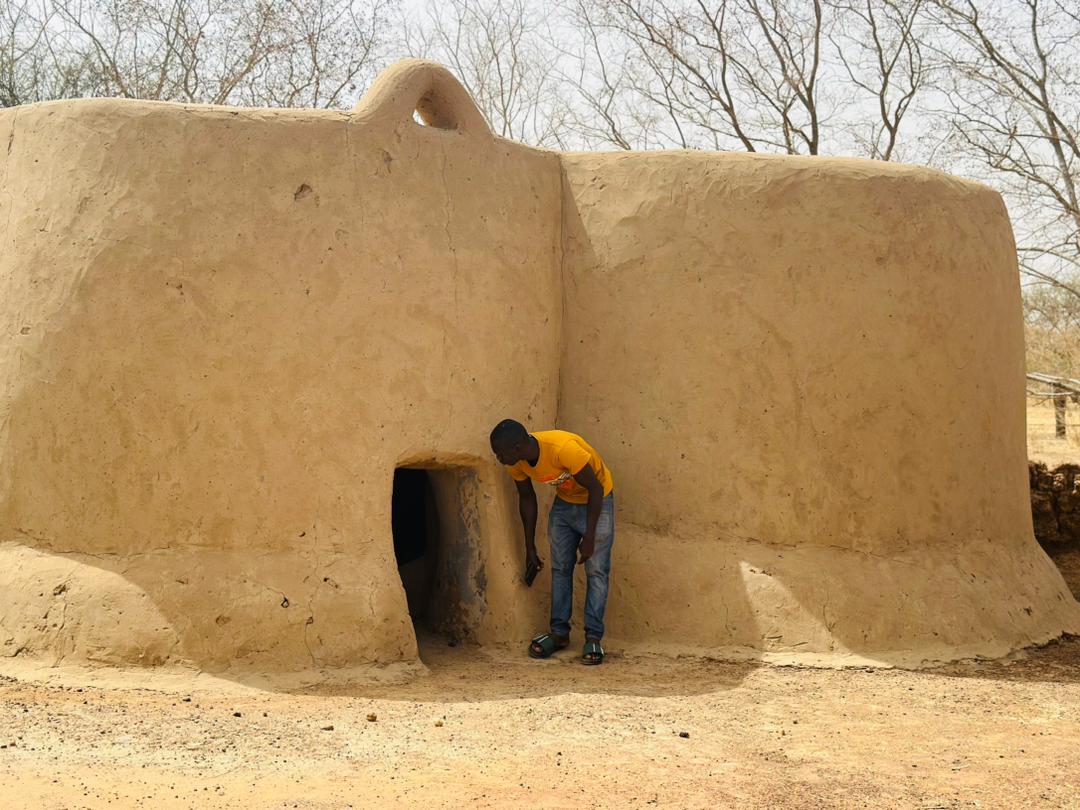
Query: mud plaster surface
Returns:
{"type": "Point", "coordinates": [225, 328]}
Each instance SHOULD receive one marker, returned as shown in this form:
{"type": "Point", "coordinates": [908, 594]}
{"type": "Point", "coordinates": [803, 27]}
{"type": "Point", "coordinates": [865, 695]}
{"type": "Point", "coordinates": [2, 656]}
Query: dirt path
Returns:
{"type": "Point", "coordinates": [486, 731]}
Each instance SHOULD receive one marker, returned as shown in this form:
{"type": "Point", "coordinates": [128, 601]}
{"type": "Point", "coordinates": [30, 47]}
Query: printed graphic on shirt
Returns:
{"type": "Point", "coordinates": [563, 481]}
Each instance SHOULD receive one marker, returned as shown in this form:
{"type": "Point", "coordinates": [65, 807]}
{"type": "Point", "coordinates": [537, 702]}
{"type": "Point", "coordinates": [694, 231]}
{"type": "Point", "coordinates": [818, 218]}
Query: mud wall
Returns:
{"type": "Point", "coordinates": [223, 329]}
{"type": "Point", "coordinates": [771, 352]}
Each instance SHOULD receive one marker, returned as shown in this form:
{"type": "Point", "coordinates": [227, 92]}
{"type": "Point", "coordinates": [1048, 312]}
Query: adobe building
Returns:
{"type": "Point", "coordinates": [229, 332]}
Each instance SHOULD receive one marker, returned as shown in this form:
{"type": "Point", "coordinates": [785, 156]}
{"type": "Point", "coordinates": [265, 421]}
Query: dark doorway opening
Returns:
{"type": "Point", "coordinates": [415, 524]}
{"type": "Point", "coordinates": [435, 517]}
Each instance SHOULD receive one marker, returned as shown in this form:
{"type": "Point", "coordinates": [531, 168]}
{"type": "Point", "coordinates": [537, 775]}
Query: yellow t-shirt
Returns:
{"type": "Point", "coordinates": [562, 456]}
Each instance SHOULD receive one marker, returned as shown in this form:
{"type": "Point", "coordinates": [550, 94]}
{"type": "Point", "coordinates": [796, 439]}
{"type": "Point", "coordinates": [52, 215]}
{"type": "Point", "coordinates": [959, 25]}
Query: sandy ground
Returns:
{"type": "Point", "coordinates": [486, 730]}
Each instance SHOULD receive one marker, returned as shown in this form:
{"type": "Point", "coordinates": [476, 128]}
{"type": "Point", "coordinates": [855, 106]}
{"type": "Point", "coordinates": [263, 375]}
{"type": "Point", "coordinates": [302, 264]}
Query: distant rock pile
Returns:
{"type": "Point", "coordinates": [1055, 505]}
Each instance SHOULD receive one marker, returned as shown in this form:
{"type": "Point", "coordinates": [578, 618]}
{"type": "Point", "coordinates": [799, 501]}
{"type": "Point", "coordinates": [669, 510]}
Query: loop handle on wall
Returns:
{"type": "Point", "coordinates": [427, 88]}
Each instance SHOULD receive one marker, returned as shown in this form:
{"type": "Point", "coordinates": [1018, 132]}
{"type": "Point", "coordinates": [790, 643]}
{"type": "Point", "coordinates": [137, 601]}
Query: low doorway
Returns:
{"type": "Point", "coordinates": [435, 524]}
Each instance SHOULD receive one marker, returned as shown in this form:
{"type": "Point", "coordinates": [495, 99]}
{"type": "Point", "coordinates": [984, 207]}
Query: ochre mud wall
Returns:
{"type": "Point", "coordinates": [225, 328]}
{"type": "Point", "coordinates": [810, 374]}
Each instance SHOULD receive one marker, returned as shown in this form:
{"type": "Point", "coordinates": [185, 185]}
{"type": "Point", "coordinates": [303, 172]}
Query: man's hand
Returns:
{"type": "Point", "coordinates": [527, 508]}
{"type": "Point", "coordinates": [586, 549]}
{"type": "Point", "coordinates": [587, 478]}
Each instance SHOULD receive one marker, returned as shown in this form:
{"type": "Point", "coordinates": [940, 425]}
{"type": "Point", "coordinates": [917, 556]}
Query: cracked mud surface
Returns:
{"type": "Point", "coordinates": [497, 730]}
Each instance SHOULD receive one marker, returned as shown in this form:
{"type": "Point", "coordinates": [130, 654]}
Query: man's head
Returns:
{"type": "Point", "coordinates": [510, 442]}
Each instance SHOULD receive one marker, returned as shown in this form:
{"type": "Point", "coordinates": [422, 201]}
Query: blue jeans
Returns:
{"type": "Point", "coordinates": [566, 526]}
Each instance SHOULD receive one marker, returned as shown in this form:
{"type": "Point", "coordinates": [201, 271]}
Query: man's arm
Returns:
{"type": "Point", "coordinates": [527, 509]}
{"type": "Point", "coordinates": [587, 478]}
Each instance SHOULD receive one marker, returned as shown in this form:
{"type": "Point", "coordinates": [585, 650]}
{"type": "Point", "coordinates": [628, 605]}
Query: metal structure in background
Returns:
{"type": "Point", "coordinates": [1061, 390]}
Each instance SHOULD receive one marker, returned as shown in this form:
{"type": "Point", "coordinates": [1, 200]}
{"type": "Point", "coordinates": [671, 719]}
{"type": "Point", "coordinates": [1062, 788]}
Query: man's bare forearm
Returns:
{"type": "Point", "coordinates": [528, 510]}
{"type": "Point", "coordinates": [592, 511]}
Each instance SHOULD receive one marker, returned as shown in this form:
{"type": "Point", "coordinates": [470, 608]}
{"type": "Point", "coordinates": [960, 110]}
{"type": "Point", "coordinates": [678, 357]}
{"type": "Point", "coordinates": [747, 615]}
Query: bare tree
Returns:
{"type": "Point", "coordinates": [599, 90]}
{"type": "Point", "coordinates": [736, 73]}
{"type": "Point", "coordinates": [756, 75]}
{"type": "Point", "coordinates": [335, 48]}
{"type": "Point", "coordinates": [499, 50]}
{"type": "Point", "coordinates": [878, 44]}
{"type": "Point", "coordinates": [255, 52]}
{"type": "Point", "coordinates": [603, 76]}
{"type": "Point", "coordinates": [1011, 79]}
{"type": "Point", "coordinates": [31, 68]}
{"type": "Point", "coordinates": [1052, 328]}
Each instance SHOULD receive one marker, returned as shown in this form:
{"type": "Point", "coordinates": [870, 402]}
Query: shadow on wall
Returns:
{"type": "Point", "coordinates": [133, 610]}
{"type": "Point", "coordinates": [126, 609]}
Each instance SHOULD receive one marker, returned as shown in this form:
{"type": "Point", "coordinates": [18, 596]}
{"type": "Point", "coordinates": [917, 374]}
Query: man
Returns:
{"type": "Point", "coordinates": [581, 522]}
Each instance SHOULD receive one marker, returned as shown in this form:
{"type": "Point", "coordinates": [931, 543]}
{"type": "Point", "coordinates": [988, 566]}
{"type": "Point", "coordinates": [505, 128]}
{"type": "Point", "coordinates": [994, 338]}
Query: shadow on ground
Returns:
{"type": "Point", "coordinates": [1056, 662]}
{"type": "Point", "coordinates": [1067, 559]}
{"type": "Point", "coordinates": [469, 673]}
{"type": "Point", "coordinates": [472, 674]}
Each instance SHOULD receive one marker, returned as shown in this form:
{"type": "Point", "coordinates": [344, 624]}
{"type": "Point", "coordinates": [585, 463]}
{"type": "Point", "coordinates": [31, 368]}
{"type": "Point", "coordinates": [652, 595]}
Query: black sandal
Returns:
{"type": "Point", "coordinates": [593, 653]}
{"type": "Point", "coordinates": [544, 645]}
